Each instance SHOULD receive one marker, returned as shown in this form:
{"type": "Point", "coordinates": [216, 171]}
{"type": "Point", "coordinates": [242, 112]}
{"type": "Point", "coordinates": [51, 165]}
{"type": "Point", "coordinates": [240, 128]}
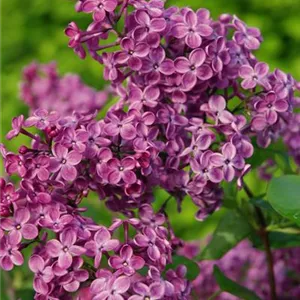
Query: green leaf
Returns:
{"type": "Point", "coordinates": [278, 240]}
{"type": "Point", "coordinates": [231, 229]}
{"type": "Point", "coordinates": [284, 196]}
{"type": "Point", "coordinates": [229, 286]}
{"type": "Point", "coordinates": [192, 267]}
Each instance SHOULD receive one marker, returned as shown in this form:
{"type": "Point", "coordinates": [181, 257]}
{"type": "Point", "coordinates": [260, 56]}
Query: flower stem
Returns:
{"type": "Point", "coordinates": [263, 233]}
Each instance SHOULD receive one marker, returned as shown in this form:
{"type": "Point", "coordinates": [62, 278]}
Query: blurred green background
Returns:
{"type": "Point", "coordinates": [33, 30]}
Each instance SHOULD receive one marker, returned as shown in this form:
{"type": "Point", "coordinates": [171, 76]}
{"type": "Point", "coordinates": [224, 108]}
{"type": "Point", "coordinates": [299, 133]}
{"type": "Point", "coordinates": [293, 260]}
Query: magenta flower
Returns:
{"type": "Point", "coordinates": [154, 291]}
{"type": "Point", "coordinates": [99, 8]}
{"type": "Point", "coordinates": [122, 126]}
{"type": "Point", "coordinates": [270, 106]}
{"type": "Point", "coordinates": [17, 124]}
{"type": "Point", "coordinates": [102, 242]}
{"type": "Point", "coordinates": [43, 274]}
{"type": "Point", "coordinates": [148, 97]}
{"type": "Point", "coordinates": [41, 119]}
{"type": "Point", "coordinates": [126, 262]}
{"type": "Point", "coordinates": [218, 53]}
{"type": "Point", "coordinates": [70, 279]}
{"type": "Point", "coordinates": [255, 76]}
{"type": "Point", "coordinates": [65, 248]}
{"type": "Point", "coordinates": [75, 139]}
{"type": "Point", "coordinates": [147, 26]}
{"type": "Point", "coordinates": [122, 170]}
{"type": "Point", "coordinates": [19, 224]}
{"type": "Point", "coordinates": [193, 68]}
{"type": "Point", "coordinates": [148, 240]}
{"type": "Point", "coordinates": [191, 30]}
{"type": "Point", "coordinates": [284, 84]}
{"type": "Point", "coordinates": [15, 165]}
{"type": "Point", "coordinates": [204, 168]}
{"type": "Point", "coordinates": [247, 36]}
{"type": "Point", "coordinates": [39, 168]}
{"type": "Point", "coordinates": [229, 160]}
{"type": "Point", "coordinates": [112, 288]}
{"type": "Point", "coordinates": [103, 157]}
{"type": "Point", "coordinates": [74, 33]}
{"type": "Point", "coordinates": [132, 53]}
{"type": "Point", "coordinates": [64, 162]}
{"type": "Point", "coordinates": [56, 220]}
{"type": "Point", "coordinates": [157, 64]}
{"type": "Point", "coordinates": [9, 251]}
{"type": "Point", "coordinates": [216, 107]}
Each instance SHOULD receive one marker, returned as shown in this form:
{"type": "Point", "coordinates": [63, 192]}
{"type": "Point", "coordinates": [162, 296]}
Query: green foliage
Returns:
{"type": "Point", "coordinates": [284, 196]}
{"type": "Point", "coordinates": [232, 228]}
{"type": "Point", "coordinates": [229, 286]}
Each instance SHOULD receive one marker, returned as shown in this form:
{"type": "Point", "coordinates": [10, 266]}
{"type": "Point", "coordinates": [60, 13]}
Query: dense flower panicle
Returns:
{"type": "Point", "coordinates": [246, 265]}
{"type": "Point", "coordinates": [42, 88]}
{"type": "Point", "coordinates": [192, 96]}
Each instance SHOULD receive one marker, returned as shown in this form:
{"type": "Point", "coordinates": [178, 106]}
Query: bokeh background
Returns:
{"type": "Point", "coordinates": [33, 30]}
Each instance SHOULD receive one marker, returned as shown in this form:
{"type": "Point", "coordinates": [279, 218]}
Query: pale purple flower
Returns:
{"type": "Point", "coordinates": [154, 291]}
{"type": "Point", "coordinates": [132, 53]}
{"type": "Point", "coordinates": [157, 64]}
{"type": "Point", "coordinates": [41, 119]}
{"type": "Point", "coordinates": [56, 220]}
{"type": "Point", "coordinates": [112, 288]}
{"type": "Point", "coordinates": [64, 162]}
{"type": "Point", "coordinates": [43, 274]}
{"type": "Point", "coordinates": [193, 68]}
{"type": "Point", "coordinates": [148, 240]}
{"type": "Point", "coordinates": [65, 248]}
{"type": "Point", "coordinates": [122, 170]}
{"type": "Point", "coordinates": [74, 33]}
{"type": "Point", "coordinates": [229, 160]}
{"type": "Point", "coordinates": [218, 53]}
{"type": "Point", "coordinates": [17, 124]}
{"type": "Point", "coordinates": [75, 139]}
{"type": "Point", "coordinates": [126, 262]}
{"type": "Point", "coordinates": [120, 125]}
{"type": "Point", "coordinates": [20, 225]}
{"type": "Point", "coordinates": [103, 156]}
{"type": "Point", "coordinates": [70, 279]}
{"type": "Point", "coordinates": [148, 97]}
{"type": "Point", "coordinates": [284, 84]}
{"type": "Point", "coordinates": [216, 107]}
{"type": "Point", "coordinates": [191, 29]}
{"type": "Point", "coordinates": [15, 165]}
{"type": "Point", "coordinates": [255, 76]}
{"type": "Point", "coordinates": [39, 168]}
{"type": "Point", "coordinates": [204, 168]}
{"type": "Point", "coordinates": [99, 8]}
{"type": "Point", "coordinates": [102, 242]}
{"type": "Point", "coordinates": [246, 36]}
{"type": "Point", "coordinates": [148, 26]}
{"type": "Point", "coordinates": [9, 251]}
{"type": "Point", "coordinates": [270, 106]}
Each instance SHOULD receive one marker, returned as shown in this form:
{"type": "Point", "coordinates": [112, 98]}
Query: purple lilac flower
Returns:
{"type": "Point", "coordinates": [191, 30]}
{"type": "Point", "coordinates": [65, 162]}
{"type": "Point", "coordinates": [153, 292]}
{"type": "Point", "coordinates": [126, 262]}
{"type": "Point", "coordinates": [65, 248]}
{"type": "Point", "coordinates": [99, 8]}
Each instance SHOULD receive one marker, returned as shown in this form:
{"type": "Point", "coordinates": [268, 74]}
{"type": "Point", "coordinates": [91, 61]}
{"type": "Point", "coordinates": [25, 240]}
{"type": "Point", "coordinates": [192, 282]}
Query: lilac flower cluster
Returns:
{"type": "Point", "coordinates": [42, 87]}
{"type": "Point", "coordinates": [246, 265]}
{"type": "Point", "coordinates": [191, 95]}
{"type": "Point", "coordinates": [61, 265]}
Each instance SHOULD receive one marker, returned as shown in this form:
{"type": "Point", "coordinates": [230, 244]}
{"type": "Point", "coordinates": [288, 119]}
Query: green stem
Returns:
{"type": "Point", "coordinates": [215, 295]}
{"type": "Point", "coordinates": [264, 235]}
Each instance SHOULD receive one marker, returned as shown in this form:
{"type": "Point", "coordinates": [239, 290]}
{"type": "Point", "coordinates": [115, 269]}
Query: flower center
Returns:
{"type": "Point", "coordinates": [192, 67]}
{"type": "Point", "coordinates": [121, 168]}
{"type": "Point", "coordinates": [131, 52]}
{"type": "Point", "coordinates": [155, 66]}
{"type": "Point", "coordinates": [18, 227]}
{"type": "Point", "coordinates": [65, 249]}
{"type": "Point", "coordinates": [147, 298]}
{"type": "Point", "coordinates": [64, 161]}
{"type": "Point", "coordinates": [125, 264]}
{"type": "Point", "coordinates": [227, 161]}
{"type": "Point", "coordinates": [269, 105]}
